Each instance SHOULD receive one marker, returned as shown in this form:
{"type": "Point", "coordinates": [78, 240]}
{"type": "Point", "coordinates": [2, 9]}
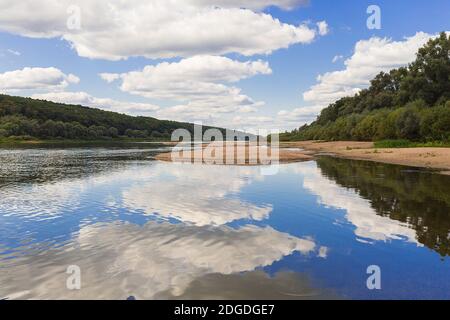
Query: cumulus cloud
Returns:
{"type": "Point", "coordinates": [198, 89]}
{"type": "Point", "coordinates": [191, 78]}
{"type": "Point", "coordinates": [201, 86]}
{"type": "Point", "coordinates": [157, 28]}
{"type": "Point", "coordinates": [85, 99]}
{"type": "Point", "coordinates": [48, 79]}
{"type": "Point", "coordinates": [214, 105]}
{"type": "Point", "coordinates": [369, 58]}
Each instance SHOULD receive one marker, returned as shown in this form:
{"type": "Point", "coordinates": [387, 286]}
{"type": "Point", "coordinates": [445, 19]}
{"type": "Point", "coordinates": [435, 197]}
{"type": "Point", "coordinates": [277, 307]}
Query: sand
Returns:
{"type": "Point", "coordinates": [239, 153]}
{"type": "Point", "coordinates": [434, 158]}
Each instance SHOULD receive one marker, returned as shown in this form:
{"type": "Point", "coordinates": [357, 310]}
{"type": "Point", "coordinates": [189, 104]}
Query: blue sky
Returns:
{"type": "Point", "coordinates": [270, 99]}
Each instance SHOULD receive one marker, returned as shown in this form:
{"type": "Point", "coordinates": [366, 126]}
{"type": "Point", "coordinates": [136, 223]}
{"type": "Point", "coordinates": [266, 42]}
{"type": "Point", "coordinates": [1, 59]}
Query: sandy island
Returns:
{"type": "Point", "coordinates": [236, 153]}
{"type": "Point", "coordinates": [434, 158]}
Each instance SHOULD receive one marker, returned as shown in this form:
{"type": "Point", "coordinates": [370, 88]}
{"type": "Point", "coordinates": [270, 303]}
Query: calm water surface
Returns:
{"type": "Point", "coordinates": [158, 230]}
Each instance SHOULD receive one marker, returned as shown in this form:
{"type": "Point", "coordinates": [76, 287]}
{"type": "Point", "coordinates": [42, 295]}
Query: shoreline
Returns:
{"type": "Point", "coordinates": [242, 154]}
{"type": "Point", "coordinates": [11, 143]}
{"type": "Point", "coordinates": [423, 157]}
{"type": "Point", "coordinates": [436, 159]}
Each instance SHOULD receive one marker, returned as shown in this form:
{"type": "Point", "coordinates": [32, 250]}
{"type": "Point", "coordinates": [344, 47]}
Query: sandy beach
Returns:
{"type": "Point", "coordinates": [245, 154]}
{"type": "Point", "coordinates": [236, 153]}
{"type": "Point", "coordinates": [433, 158]}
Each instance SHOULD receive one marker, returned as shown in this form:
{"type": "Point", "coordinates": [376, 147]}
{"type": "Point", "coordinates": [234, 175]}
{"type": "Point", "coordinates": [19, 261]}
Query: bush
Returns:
{"type": "Point", "coordinates": [408, 125]}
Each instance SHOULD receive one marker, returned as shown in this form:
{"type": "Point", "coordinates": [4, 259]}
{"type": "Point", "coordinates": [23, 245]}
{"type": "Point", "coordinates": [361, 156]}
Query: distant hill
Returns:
{"type": "Point", "coordinates": [26, 117]}
{"type": "Point", "coordinates": [411, 103]}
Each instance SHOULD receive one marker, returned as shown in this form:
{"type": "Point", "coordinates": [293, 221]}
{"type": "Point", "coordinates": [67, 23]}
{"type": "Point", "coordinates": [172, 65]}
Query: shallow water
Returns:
{"type": "Point", "coordinates": [156, 230]}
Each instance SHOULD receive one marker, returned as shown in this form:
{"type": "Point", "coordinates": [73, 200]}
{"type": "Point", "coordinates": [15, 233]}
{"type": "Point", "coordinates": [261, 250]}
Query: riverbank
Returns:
{"type": "Point", "coordinates": [216, 153]}
{"type": "Point", "coordinates": [235, 153]}
{"type": "Point", "coordinates": [432, 158]}
{"type": "Point", "coordinates": [245, 154]}
{"type": "Point", "coordinates": [18, 142]}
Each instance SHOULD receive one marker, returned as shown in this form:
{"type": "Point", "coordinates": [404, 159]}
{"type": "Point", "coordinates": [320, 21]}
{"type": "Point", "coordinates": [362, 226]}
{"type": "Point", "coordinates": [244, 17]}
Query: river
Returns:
{"type": "Point", "coordinates": [133, 226]}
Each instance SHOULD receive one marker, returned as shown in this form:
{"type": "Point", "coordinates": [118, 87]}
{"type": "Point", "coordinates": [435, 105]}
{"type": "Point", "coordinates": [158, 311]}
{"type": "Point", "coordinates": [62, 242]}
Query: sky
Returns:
{"type": "Point", "coordinates": [249, 65]}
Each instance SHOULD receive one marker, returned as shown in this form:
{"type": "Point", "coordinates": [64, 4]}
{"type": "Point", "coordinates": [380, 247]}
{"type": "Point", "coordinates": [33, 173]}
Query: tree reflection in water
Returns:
{"type": "Point", "coordinates": [418, 198]}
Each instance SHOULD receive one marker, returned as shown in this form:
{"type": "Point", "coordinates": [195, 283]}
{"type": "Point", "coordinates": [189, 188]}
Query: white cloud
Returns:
{"type": "Point", "coordinates": [369, 58]}
{"type": "Point", "coordinates": [251, 4]}
{"type": "Point", "coordinates": [252, 121]}
{"type": "Point", "coordinates": [109, 77]}
{"type": "Point", "coordinates": [14, 52]}
{"type": "Point", "coordinates": [192, 78]}
{"type": "Point", "coordinates": [48, 79]}
{"type": "Point", "coordinates": [323, 252]}
{"type": "Point", "coordinates": [323, 28]}
{"type": "Point", "coordinates": [337, 58]}
{"type": "Point", "coordinates": [213, 108]}
{"type": "Point", "coordinates": [157, 28]}
{"type": "Point", "coordinates": [213, 111]}
{"type": "Point", "coordinates": [199, 85]}
{"type": "Point", "coordinates": [86, 99]}
{"type": "Point", "coordinates": [282, 121]}
{"type": "Point", "coordinates": [197, 89]}
{"type": "Point", "coordinates": [303, 114]}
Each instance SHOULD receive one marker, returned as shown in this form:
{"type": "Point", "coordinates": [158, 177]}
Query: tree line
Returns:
{"type": "Point", "coordinates": [26, 117]}
{"type": "Point", "coordinates": [410, 103]}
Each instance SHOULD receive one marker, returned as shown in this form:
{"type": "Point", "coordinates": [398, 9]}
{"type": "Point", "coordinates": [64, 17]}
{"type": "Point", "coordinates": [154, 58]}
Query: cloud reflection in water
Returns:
{"type": "Point", "coordinates": [120, 259]}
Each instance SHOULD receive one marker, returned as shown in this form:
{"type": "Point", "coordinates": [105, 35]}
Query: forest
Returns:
{"type": "Point", "coordinates": [27, 118]}
{"type": "Point", "coordinates": [411, 103]}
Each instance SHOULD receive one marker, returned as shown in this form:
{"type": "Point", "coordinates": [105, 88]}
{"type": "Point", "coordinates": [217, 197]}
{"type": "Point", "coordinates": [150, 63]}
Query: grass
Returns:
{"type": "Point", "coordinates": [410, 144]}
